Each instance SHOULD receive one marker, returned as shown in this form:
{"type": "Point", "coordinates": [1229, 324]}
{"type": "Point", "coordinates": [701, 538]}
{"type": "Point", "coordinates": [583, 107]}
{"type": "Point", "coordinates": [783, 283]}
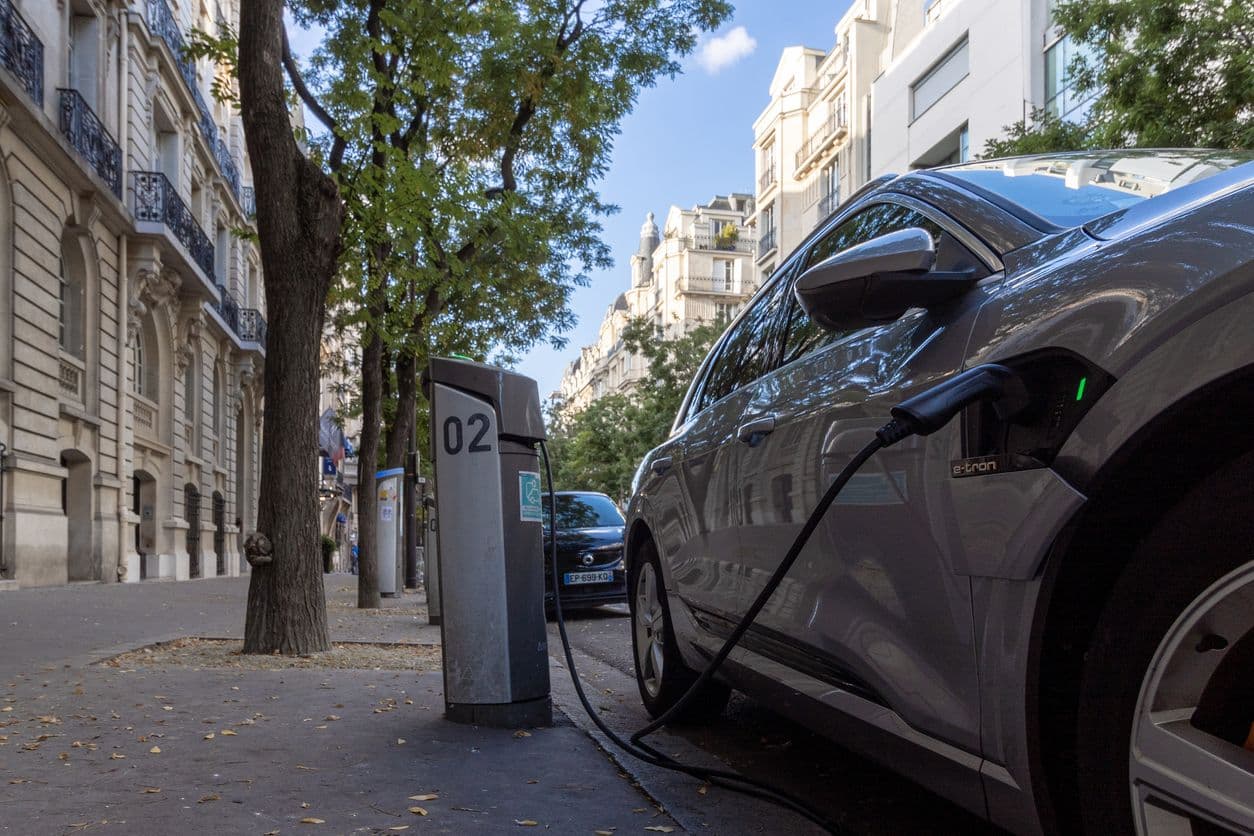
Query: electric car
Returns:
{"type": "Point", "coordinates": [589, 550]}
{"type": "Point", "coordinates": [1046, 618]}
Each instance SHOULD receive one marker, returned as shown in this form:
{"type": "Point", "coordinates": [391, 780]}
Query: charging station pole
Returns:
{"type": "Point", "coordinates": [485, 424]}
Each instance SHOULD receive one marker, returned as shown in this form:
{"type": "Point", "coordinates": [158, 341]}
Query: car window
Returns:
{"type": "Point", "coordinates": [582, 511]}
{"type": "Point", "coordinates": [750, 348]}
{"type": "Point", "coordinates": [804, 335]}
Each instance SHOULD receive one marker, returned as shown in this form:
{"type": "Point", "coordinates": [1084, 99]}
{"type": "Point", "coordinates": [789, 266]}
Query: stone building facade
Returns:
{"type": "Point", "coordinates": [812, 142]}
{"type": "Point", "coordinates": [698, 269]}
{"type": "Point", "coordinates": [132, 330]}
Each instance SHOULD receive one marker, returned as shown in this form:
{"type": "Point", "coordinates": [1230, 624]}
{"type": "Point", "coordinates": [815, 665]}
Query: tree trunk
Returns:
{"type": "Point", "coordinates": [367, 458]}
{"type": "Point", "coordinates": [299, 214]}
{"type": "Point", "coordinates": [406, 401]}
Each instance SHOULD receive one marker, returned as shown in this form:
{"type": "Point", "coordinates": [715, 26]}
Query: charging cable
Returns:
{"type": "Point", "coordinates": [922, 414]}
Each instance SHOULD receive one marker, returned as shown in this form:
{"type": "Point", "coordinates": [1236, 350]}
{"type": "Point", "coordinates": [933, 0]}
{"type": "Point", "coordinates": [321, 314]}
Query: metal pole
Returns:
{"type": "Point", "coordinates": [411, 507]}
{"type": "Point", "coordinates": [4, 451]}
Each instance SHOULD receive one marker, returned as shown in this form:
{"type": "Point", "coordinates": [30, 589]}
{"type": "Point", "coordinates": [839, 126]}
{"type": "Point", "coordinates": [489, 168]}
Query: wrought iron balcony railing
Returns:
{"type": "Point", "coordinates": [252, 326]}
{"type": "Point", "coordinates": [767, 179]}
{"type": "Point", "coordinates": [228, 308]}
{"type": "Point", "coordinates": [227, 164]}
{"type": "Point", "coordinates": [248, 198]}
{"type": "Point", "coordinates": [156, 200]}
{"type": "Point", "coordinates": [21, 52]}
{"type": "Point", "coordinates": [84, 130]}
{"type": "Point", "coordinates": [766, 243]}
{"type": "Point", "coordinates": [830, 129]}
{"type": "Point", "coordinates": [161, 22]}
{"type": "Point", "coordinates": [740, 244]}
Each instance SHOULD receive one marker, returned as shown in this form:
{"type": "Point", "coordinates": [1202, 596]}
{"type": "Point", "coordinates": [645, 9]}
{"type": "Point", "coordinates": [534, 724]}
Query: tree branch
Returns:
{"type": "Point", "coordinates": [338, 145]}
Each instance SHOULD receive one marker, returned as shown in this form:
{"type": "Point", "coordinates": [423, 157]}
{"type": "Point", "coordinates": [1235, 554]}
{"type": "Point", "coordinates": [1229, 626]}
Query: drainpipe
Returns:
{"type": "Point", "coordinates": [4, 452]}
{"type": "Point", "coordinates": [123, 385]}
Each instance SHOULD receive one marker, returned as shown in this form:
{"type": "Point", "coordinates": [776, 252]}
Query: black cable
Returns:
{"type": "Point", "coordinates": [642, 751]}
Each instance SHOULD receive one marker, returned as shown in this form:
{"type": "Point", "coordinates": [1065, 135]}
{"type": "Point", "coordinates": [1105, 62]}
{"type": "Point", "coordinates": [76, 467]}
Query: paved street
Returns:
{"type": "Point", "coordinates": [861, 796]}
{"type": "Point", "coordinates": [155, 749]}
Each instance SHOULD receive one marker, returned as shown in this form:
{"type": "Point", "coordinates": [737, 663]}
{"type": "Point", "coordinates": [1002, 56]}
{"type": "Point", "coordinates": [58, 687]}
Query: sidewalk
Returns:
{"type": "Point", "coordinates": [86, 747]}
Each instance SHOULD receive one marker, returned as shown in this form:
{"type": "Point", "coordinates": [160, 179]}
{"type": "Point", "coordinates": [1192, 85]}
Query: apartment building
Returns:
{"type": "Point", "coordinates": [132, 329]}
{"type": "Point", "coordinates": [812, 142]}
{"type": "Point", "coordinates": [957, 72]}
{"type": "Point", "coordinates": [698, 268]}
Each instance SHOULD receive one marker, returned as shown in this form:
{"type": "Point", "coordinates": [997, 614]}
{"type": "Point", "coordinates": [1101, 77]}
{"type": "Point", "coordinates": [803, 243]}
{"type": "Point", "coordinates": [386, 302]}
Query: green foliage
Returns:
{"type": "Point", "coordinates": [222, 48]}
{"type": "Point", "coordinates": [600, 447]}
{"type": "Point", "coordinates": [1171, 73]}
{"type": "Point", "coordinates": [1043, 133]}
{"type": "Point", "coordinates": [1164, 74]}
{"type": "Point", "coordinates": [328, 546]}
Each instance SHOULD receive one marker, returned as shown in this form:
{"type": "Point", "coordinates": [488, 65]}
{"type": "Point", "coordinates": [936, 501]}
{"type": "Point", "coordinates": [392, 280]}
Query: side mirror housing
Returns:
{"type": "Point", "coordinates": [878, 281]}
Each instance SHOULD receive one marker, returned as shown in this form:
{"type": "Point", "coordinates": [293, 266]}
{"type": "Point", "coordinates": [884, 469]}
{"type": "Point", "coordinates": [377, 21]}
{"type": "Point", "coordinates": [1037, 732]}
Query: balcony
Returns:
{"type": "Point", "coordinates": [228, 308]}
{"type": "Point", "coordinates": [717, 243]}
{"type": "Point", "coordinates": [767, 179]}
{"type": "Point", "coordinates": [157, 201]}
{"type": "Point", "coordinates": [84, 130]}
{"type": "Point", "coordinates": [720, 285]}
{"type": "Point", "coordinates": [767, 242]}
{"type": "Point", "coordinates": [252, 326]}
{"type": "Point", "coordinates": [248, 198]}
{"type": "Point", "coordinates": [21, 52]}
{"type": "Point", "coordinates": [833, 128]}
{"type": "Point", "coordinates": [162, 24]}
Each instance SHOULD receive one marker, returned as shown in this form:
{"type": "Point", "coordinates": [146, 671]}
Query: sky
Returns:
{"type": "Point", "coordinates": [686, 141]}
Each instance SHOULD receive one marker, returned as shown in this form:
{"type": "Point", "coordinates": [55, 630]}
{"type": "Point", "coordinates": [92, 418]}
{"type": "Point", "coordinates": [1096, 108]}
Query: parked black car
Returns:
{"type": "Point", "coordinates": [589, 550]}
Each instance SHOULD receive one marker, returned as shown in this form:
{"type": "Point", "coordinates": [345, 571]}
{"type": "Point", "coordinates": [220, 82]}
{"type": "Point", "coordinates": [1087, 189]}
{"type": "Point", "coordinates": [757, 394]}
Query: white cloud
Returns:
{"type": "Point", "coordinates": [717, 54]}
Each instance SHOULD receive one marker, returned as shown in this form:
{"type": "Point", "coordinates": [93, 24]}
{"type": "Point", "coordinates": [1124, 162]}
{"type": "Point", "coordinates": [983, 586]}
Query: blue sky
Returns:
{"type": "Point", "coordinates": [686, 141]}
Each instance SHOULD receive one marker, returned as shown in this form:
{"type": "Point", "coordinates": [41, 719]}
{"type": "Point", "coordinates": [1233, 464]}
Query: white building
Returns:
{"type": "Point", "coordinates": [132, 337]}
{"type": "Point", "coordinates": [812, 142]}
{"type": "Point", "coordinates": [699, 268]}
{"type": "Point", "coordinates": [957, 72]}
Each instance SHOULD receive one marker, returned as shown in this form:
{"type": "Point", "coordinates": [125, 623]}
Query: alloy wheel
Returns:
{"type": "Point", "coordinates": [1185, 779]}
{"type": "Point", "coordinates": [649, 623]}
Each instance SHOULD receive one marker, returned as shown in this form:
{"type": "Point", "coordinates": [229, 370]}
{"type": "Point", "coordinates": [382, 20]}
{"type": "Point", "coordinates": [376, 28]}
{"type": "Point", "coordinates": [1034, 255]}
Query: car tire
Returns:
{"type": "Point", "coordinates": [1171, 635]}
{"type": "Point", "coordinates": [661, 674]}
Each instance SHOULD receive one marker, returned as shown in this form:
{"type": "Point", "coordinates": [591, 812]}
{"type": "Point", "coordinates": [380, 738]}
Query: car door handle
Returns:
{"type": "Point", "coordinates": [661, 465]}
{"type": "Point", "coordinates": [751, 432]}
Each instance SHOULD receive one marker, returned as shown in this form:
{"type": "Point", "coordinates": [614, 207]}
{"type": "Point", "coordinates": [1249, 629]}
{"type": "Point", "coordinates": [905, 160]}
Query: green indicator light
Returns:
{"type": "Point", "coordinates": [1079, 393]}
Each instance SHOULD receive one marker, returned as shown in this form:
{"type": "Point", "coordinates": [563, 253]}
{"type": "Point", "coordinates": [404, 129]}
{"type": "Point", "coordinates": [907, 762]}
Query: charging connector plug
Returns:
{"type": "Point", "coordinates": [928, 411]}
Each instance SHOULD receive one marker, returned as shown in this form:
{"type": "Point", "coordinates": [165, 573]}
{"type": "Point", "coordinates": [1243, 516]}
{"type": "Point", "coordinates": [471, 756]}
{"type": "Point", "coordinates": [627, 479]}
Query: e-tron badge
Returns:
{"type": "Point", "coordinates": [976, 466]}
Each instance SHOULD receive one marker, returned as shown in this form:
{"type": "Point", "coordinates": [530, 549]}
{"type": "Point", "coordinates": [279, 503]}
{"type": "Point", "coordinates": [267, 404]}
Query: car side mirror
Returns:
{"type": "Point", "coordinates": [878, 281]}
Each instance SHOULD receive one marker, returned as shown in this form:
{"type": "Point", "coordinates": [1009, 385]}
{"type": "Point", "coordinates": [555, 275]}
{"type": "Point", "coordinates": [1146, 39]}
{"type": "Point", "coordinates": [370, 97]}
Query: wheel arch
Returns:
{"type": "Point", "coordinates": [1148, 473]}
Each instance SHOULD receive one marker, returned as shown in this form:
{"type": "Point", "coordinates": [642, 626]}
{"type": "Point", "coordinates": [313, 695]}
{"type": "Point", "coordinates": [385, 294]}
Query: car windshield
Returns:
{"type": "Point", "coordinates": [1069, 190]}
{"type": "Point", "coordinates": [585, 510]}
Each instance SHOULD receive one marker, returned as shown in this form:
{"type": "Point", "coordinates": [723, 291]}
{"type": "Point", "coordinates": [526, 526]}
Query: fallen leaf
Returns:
{"type": "Point", "coordinates": [427, 796]}
{"type": "Point", "coordinates": [408, 702]}
{"type": "Point", "coordinates": [418, 811]}
{"type": "Point", "coordinates": [521, 733]}
{"type": "Point", "coordinates": [331, 717]}
{"type": "Point", "coordinates": [703, 789]}
{"type": "Point", "coordinates": [311, 820]}
{"type": "Point", "coordinates": [306, 768]}
{"type": "Point", "coordinates": [533, 781]}
{"type": "Point", "coordinates": [209, 736]}
{"type": "Point", "coordinates": [400, 741]}
{"type": "Point", "coordinates": [526, 822]}
{"type": "Point", "coordinates": [660, 828]}
{"type": "Point", "coordinates": [117, 756]}
{"type": "Point", "coordinates": [213, 796]}
{"type": "Point", "coordinates": [304, 805]}
{"type": "Point", "coordinates": [167, 708]}
{"type": "Point", "coordinates": [603, 833]}
{"type": "Point", "coordinates": [155, 750]}
{"type": "Point", "coordinates": [151, 790]}
{"type": "Point", "coordinates": [399, 827]}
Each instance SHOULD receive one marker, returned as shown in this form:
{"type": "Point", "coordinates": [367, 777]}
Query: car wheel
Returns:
{"type": "Point", "coordinates": [1165, 731]}
{"type": "Point", "coordinates": [661, 674]}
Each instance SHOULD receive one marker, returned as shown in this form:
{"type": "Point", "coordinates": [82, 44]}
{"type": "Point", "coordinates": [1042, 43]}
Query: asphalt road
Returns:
{"type": "Point", "coordinates": [862, 797]}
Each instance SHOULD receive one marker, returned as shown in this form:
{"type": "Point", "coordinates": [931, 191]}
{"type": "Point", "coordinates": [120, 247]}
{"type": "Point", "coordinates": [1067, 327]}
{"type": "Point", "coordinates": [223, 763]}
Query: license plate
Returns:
{"type": "Point", "coordinates": [572, 578]}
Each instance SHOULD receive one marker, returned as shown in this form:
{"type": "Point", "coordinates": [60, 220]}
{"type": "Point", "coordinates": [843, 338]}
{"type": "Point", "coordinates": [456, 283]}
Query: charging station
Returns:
{"type": "Point", "coordinates": [391, 536]}
{"type": "Point", "coordinates": [485, 424]}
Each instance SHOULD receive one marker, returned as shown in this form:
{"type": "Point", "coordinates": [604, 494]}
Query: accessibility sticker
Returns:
{"type": "Point", "coordinates": [529, 506]}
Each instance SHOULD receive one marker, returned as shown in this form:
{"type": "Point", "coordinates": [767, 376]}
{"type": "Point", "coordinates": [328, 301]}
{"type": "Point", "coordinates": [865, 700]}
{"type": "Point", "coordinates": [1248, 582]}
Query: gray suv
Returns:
{"type": "Point", "coordinates": [1048, 619]}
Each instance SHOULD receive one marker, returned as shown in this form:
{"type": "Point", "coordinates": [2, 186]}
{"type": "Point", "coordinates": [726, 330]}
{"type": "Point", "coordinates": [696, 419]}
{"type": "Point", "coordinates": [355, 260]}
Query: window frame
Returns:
{"type": "Point", "coordinates": [962, 43]}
